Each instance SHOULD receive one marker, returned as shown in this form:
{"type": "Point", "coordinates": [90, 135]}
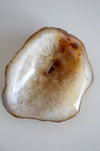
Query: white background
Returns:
{"type": "Point", "coordinates": [18, 20]}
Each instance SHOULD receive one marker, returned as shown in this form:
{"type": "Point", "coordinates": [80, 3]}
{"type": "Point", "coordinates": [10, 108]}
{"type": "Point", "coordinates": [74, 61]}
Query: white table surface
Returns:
{"type": "Point", "coordinates": [18, 20]}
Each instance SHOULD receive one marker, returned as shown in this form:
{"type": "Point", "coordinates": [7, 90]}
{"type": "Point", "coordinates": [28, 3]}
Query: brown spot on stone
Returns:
{"type": "Point", "coordinates": [43, 72]}
{"type": "Point", "coordinates": [75, 45]}
{"type": "Point", "coordinates": [55, 65]}
{"type": "Point", "coordinates": [68, 39]}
